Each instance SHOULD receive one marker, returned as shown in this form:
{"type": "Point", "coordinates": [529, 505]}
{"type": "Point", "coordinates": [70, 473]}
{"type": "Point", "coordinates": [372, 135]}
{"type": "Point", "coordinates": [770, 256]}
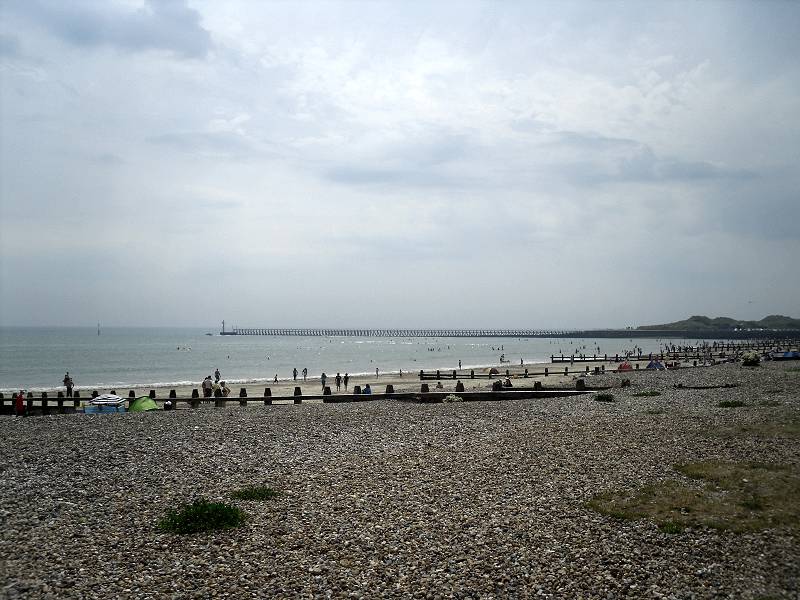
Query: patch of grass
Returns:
{"type": "Point", "coordinates": [646, 394]}
{"type": "Point", "coordinates": [772, 429]}
{"type": "Point", "coordinates": [202, 515]}
{"type": "Point", "coordinates": [255, 492]}
{"type": "Point", "coordinates": [769, 403]}
{"type": "Point", "coordinates": [744, 496]}
{"type": "Point", "coordinates": [730, 404]}
{"type": "Point", "coordinates": [671, 527]}
{"type": "Point", "coordinates": [604, 397]}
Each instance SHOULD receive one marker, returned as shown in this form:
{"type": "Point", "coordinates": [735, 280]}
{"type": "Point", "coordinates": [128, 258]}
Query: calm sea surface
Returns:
{"type": "Point", "coordinates": [36, 358]}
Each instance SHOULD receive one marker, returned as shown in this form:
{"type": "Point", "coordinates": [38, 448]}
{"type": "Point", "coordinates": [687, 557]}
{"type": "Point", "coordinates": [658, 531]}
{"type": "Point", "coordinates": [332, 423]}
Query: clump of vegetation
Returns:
{"type": "Point", "coordinates": [751, 359]}
{"type": "Point", "coordinates": [769, 403]}
{"type": "Point", "coordinates": [789, 429]}
{"type": "Point", "coordinates": [647, 394]}
{"type": "Point", "coordinates": [202, 515]}
{"type": "Point", "coordinates": [730, 404]}
{"type": "Point", "coordinates": [604, 397]}
{"type": "Point", "coordinates": [255, 492]}
{"type": "Point", "coordinates": [671, 527]}
{"type": "Point", "coordinates": [452, 398]}
{"type": "Point", "coordinates": [737, 496]}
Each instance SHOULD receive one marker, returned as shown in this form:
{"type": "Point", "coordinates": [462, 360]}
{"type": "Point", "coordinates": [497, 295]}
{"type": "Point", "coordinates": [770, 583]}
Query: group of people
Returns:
{"type": "Point", "coordinates": [216, 388]}
{"type": "Point", "coordinates": [339, 380]}
{"type": "Point", "coordinates": [294, 374]}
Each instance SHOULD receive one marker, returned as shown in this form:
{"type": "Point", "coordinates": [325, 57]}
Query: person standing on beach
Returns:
{"type": "Point", "coordinates": [305, 373]}
{"type": "Point", "coordinates": [459, 364]}
{"type": "Point", "coordinates": [324, 378]}
{"type": "Point", "coordinates": [19, 403]}
{"type": "Point", "coordinates": [207, 386]}
{"type": "Point", "coordinates": [346, 379]}
{"type": "Point", "coordinates": [68, 384]}
{"type": "Point", "coordinates": [376, 373]}
{"type": "Point", "coordinates": [294, 373]}
{"type": "Point", "coordinates": [216, 375]}
{"type": "Point", "coordinates": [338, 382]}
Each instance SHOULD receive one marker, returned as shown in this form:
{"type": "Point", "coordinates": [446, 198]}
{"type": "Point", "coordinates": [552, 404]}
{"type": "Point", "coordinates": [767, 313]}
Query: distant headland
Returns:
{"type": "Point", "coordinates": [701, 323]}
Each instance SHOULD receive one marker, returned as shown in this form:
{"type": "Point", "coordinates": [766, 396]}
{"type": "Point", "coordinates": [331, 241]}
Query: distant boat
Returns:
{"type": "Point", "coordinates": [209, 334]}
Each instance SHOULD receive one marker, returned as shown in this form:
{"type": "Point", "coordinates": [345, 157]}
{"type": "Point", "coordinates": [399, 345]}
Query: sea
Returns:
{"type": "Point", "coordinates": [36, 358]}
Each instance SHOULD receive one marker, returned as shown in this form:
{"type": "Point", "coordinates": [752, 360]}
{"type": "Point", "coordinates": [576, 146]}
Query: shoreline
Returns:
{"type": "Point", "coordinates": [405, 382]}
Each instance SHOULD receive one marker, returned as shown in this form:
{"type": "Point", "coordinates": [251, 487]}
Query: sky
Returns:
{"type": "Point", "coordinates": [398, 164]}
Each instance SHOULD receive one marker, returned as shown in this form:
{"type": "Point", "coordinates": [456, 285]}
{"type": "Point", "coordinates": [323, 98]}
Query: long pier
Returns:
{"type": "Point", "coordinates": [512, 333]}
{"type": "Point", "coordinates": [396, 333]}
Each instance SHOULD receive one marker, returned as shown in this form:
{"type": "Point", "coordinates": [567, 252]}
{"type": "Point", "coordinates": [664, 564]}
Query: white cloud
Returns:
{"type": "Point", "coordinates": [330, 150]}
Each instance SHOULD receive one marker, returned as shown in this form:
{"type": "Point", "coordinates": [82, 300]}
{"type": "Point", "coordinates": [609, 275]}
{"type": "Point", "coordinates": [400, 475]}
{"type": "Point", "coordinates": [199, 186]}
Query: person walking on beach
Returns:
{"type": "Point", "coordinates": [346, 379]}
{"type": "Point", "coordinates": [324, 378]}
{"type": "Point", "coordinates": [305, 373]}
{"type": "Point", "coordinates": [338, 381]}
{"type": "Point", "coordinates": [216, 375]}
{"type": "Point", "coordinates": [294, 373]}
{"type": "Point", "coordinates": [459, 364]}
{"type": "Point", "coordinates": [19, 403]}
{"type": "Point", "coordinates": [376, 373]}
{"type": "Point", "coordinates": [68, 384]}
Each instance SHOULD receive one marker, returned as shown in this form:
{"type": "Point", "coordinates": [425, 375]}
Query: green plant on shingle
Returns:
{"type": "Point", "coordinates": [255, 492]}
{"type": "Point", "coordinates": [202, 515]}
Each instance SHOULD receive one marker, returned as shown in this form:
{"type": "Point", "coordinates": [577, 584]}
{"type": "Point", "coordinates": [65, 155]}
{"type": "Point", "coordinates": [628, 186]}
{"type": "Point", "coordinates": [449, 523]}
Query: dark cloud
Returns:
{"type": "Point", "coordinates": [159, 25]}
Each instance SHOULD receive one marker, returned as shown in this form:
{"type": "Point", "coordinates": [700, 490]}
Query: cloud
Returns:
{"type": "Point", "coordinates": [168, 25]}
{"type": "Point", "coordinates": [9, 46]}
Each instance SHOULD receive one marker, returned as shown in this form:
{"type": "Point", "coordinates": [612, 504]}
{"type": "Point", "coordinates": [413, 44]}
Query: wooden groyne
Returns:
{"type": "Point", "coordinates": [47, 406]}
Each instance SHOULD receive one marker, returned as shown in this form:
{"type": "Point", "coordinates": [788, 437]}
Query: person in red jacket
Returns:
{"type": "Point", "coordinates": [19, 404]}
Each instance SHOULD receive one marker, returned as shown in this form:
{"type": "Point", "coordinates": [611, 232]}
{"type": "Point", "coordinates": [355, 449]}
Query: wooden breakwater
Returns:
{"type": "Point", "coordinates": [47, 406]}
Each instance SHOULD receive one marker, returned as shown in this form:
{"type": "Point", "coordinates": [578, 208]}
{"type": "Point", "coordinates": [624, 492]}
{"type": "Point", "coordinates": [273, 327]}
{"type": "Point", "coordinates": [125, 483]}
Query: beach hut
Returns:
{"type": "Point", "coordinates": [142, 404]}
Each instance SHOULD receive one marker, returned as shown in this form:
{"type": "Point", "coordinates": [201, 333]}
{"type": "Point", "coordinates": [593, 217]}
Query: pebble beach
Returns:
{"type": "Point", "coordinates": [385, 499]}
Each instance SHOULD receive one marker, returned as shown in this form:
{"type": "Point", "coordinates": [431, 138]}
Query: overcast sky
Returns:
{"type": "Point", "coordinates": [398, 164]}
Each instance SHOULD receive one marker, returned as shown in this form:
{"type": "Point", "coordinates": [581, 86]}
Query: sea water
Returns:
{"type": "Point", "coordinates": [36, 359]}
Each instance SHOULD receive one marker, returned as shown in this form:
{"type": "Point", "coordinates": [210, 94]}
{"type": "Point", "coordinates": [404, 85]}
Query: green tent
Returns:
{"type": "Point", "coordinates": [142, 403]}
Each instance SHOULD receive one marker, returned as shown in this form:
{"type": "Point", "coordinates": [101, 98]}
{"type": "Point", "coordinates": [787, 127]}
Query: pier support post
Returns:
{"type": "Point", "coordinates": [580, 385]}
{"type": "Point", "coordinates": [537, 385]}
{"type": "Point", "coordinates": [389, 389]}
{"type": "Point", "coordinates": [267, 397]}
{"type": "Point", "coordinates": [424, 389]}
{"type": "Point", "coordinates": [546, 371]}
{"type": "Point", "coordinates": [173, 394]}
{"type": "Point", "coordinates": [153, 394]}
{"type": "Point", "coordinates": [566, 370]}
{"type": "Point", "coordinates": [45, 405]}
{"type": "Point", "coordinates": [298, 395]}
{"type": "Point", "coordinates": [356, 390]}
{"type": "Point", "coordinates": [472, 374]}
{"type": "Point", "coordinates": [459, 387]}
{"type": "Point", "coordinates": [438, 374]}
{"type": "Point", "coordinates": [526, 373]}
